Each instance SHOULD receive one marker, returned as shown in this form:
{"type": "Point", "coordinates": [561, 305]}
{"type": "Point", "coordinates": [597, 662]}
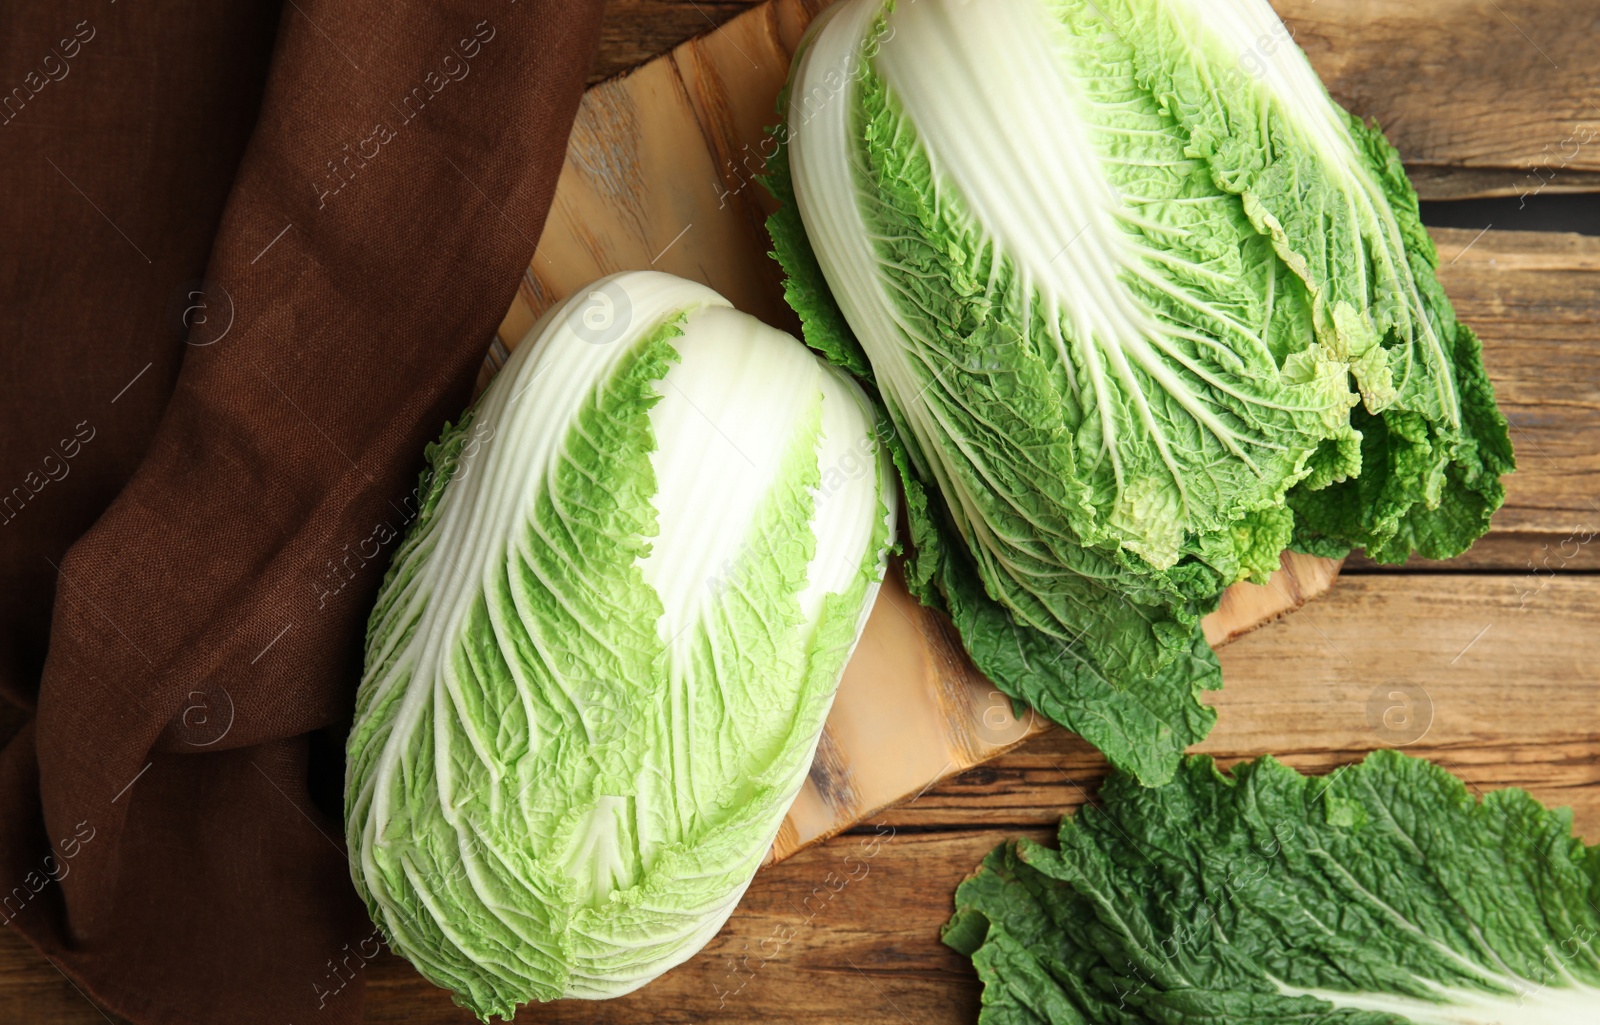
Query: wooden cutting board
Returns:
{"type": "Point", "coordinates": [661, 174]}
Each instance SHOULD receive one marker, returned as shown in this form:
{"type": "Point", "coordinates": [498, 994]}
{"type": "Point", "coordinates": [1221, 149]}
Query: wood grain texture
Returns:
{"type": "Point", "coordinates": [634, 31]}
{"type": "Point", "coordinates": [848, 930]}
{"type": "Point", "coordinates": [1445, 182]}
{"type": "Point", "coordinates": [1532, 557]}
{"type": "Point", "coordinates": [1507, 86]}
{"type": "Point", "coordinates": [1535, 300]}
{"type": "Point", "coordinates": [1522, 114]}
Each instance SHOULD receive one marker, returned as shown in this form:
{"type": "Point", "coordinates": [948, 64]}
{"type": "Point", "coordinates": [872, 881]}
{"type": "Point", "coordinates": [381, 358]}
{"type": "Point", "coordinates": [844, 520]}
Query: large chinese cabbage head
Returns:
{"type": "Point", "coordinates": [600, 663]}
{"type": "Point", "coordinates": [1145, 306]}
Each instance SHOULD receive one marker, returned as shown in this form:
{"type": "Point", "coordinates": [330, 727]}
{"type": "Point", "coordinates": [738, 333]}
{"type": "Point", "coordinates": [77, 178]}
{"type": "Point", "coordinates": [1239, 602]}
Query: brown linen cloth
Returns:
{"type": "Point", "coordinates": [188, 525]}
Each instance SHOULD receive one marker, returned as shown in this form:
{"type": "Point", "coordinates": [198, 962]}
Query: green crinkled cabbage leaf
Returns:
{"type": "Point", "coordinates": [1331, 193]}
{"type": "Point", "coordinates": [1382, 894]}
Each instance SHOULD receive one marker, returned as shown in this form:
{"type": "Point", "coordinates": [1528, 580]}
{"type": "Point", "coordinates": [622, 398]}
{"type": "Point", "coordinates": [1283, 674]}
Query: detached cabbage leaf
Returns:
{"type": "Point", "coordinates": [1382, 894]}
{"type": "Point", "coordinates": [600, 663]}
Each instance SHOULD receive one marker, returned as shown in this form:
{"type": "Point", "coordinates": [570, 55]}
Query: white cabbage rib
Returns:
{"type": "Point", "coordinates": [588, 831]}
{"type": "Point", "coordinates": [1525, 1002]}
{"type": "Point", "coordinates": [821, 143]}
{"type": "Point", "coordinates": [1033, 178]}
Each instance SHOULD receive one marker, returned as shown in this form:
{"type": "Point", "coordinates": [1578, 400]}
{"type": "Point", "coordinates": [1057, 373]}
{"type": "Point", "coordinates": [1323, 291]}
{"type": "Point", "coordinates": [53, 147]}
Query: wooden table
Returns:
{"type": "Point", "coordinates": [1498, 651]}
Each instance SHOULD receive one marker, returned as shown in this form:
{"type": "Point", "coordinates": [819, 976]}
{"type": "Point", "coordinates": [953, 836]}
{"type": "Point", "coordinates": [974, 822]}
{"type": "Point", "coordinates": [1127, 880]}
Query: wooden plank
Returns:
{"type": "Point", "coordinates": [1529, 558]}
{"type": "Point", "coordinates": [32, 991]}
{"type": "Point", "coordinates": [634, 31]}
{"type": "Point", "coordinates": [1486, 139]}
{"type": "Point", "coordinates": [1505, 86]}
{"type": "Point", "coordinates": [863, 942]}
{"type": "Point", "coordinates": [1436, 182]}
{"type": "Point", "coordinates": [1478, 663]}
{"type": "Point", "coordinates": [1534, 298]}
{"type": "Point", "coordinates": [1533, 677]}
{"type": "Point", "coordinates": [1515, 707]}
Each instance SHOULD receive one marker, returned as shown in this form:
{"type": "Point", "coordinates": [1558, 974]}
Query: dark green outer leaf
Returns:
{"type": "Point", "coordinates": [1384, 887]}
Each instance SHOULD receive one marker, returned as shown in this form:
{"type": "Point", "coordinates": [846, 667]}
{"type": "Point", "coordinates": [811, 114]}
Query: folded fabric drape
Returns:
{"type": "Point", "coordinates": [251, 256]}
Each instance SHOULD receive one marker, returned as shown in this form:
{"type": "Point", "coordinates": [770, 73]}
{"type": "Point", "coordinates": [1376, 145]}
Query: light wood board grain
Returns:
{"type": "Point", "coordinates": [639, 190]}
